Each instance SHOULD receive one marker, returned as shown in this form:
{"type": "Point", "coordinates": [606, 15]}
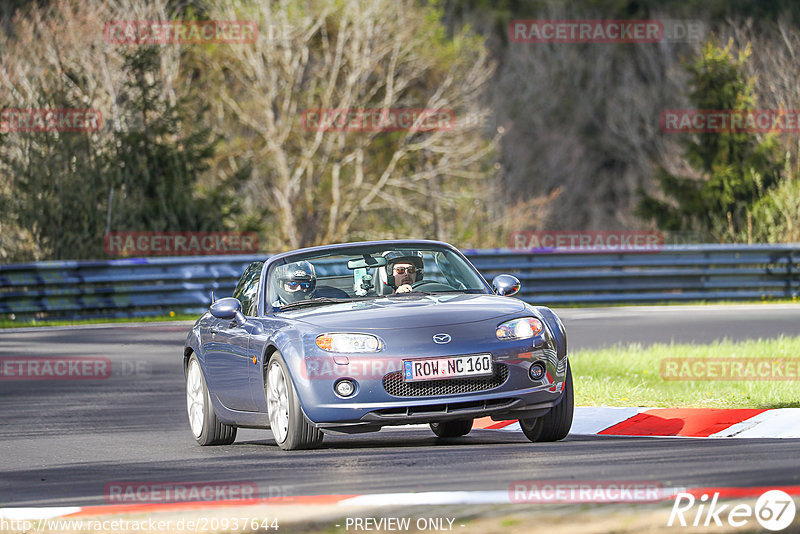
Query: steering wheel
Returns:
{"type": "Point", "coordinates": [441, 287]}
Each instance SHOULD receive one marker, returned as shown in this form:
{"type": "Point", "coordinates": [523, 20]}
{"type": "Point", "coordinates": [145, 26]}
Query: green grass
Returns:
{"type": "Point", "coordinates": [744, 302]}
{"type": "Point", "coordinates": [631, 376]}
{"type": "Point", "coordinates": [8, 323]}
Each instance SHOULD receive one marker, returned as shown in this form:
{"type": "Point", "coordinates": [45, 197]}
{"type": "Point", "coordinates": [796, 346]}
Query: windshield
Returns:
{"type": "Point", "coordinates": [369, 272]}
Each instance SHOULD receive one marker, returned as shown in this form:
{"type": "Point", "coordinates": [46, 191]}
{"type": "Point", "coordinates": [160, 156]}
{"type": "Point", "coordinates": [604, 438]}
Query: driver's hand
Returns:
{"type": "Point", "coordinates": [405, 288]}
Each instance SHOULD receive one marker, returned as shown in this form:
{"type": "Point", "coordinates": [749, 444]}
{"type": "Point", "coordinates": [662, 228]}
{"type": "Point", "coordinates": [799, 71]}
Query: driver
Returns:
{"type": "Point", "coordinates": [403, 268]}
{"type": "Point", "coordinates": [296, 281]}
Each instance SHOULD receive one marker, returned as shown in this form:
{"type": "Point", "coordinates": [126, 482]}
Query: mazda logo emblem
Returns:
{"type": "Point", "coordinates": [441, 339]}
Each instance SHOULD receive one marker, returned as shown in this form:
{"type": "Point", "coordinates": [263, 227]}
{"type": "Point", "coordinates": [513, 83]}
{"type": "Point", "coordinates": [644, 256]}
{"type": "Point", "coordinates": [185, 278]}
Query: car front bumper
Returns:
{"type": "Point", "coordinates": [519, 396]}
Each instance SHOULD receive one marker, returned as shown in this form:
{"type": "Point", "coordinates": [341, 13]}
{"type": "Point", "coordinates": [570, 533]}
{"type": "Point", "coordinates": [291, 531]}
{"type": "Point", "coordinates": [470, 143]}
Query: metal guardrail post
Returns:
{"type": "Point", "coordinates": [791, 274]}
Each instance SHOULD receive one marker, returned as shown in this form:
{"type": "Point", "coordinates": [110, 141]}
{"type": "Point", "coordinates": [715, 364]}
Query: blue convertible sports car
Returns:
{"type": "Point", "coordinates": [353, 337]}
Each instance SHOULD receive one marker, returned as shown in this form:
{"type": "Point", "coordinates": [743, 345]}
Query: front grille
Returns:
{"type": "Point", "coordinates": [394, 385]}
{"type": "Point", "coordinates": [562, 366]}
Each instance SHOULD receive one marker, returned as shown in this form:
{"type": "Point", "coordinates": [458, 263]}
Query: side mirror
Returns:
{"type": "Point", "coordinates": [227, 309]}
{"type": "Point", "coordinates": [506, 285]}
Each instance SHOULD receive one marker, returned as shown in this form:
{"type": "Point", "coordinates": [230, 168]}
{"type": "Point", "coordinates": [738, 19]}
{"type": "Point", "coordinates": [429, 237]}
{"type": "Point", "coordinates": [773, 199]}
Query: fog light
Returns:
{"type": "Point", "coordinates": [345, 387]}
{"type": "Point", "coordinates": [537, 371]}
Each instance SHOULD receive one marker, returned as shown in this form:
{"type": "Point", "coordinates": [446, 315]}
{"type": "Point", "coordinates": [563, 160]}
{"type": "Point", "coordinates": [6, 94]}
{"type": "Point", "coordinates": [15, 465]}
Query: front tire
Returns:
{"type": "Point", "coordinates": [555, 424]}
{"type": "Point", "coordinates": [203, 422]}
{"type": "Point", "coordinates": [289, 425]}
{"type": "Point", "coordinates": [452, 429]}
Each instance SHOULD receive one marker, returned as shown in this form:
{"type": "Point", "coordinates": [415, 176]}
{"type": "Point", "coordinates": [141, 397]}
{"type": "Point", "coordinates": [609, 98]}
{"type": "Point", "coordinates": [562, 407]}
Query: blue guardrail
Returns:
{"type": "Point", "coordinates": [139, 287]}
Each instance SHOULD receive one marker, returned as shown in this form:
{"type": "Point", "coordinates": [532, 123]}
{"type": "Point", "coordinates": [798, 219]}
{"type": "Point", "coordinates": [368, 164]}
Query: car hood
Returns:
{"type": "Point", "coordinates": [408, 311]}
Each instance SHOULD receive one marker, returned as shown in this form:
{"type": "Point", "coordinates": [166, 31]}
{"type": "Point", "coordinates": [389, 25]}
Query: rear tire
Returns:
{"type": "Point", "coordinates": [289, 425]}
{"type": "Point", "coordinates": [452, 429]}
{"type": "Point", "coordinates": [555, 424]}
{"type": "Point", "coordinates": [203, 422]}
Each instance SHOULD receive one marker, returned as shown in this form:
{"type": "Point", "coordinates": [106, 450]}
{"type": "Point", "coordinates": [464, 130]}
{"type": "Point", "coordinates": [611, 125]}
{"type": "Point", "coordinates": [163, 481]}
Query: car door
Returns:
{"type": "Point", "coordinates": [228, 358]}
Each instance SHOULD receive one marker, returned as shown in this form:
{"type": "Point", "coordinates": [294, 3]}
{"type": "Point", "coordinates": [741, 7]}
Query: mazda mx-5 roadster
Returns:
{"type": "Point", "coordinates": [353, 337]}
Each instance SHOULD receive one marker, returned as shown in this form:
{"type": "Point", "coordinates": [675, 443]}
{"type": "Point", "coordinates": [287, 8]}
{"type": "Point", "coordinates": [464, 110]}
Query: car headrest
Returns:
{"type": "Point", "coordinates": [382, 286]}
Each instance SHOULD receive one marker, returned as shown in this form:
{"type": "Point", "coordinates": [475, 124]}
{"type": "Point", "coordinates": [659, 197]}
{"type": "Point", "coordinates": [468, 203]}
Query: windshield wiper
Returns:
{"type": "Point", "coordinates": [314, 302]}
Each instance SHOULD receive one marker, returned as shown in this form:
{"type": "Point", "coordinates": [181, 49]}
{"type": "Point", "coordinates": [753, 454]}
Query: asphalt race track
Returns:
{"type": "Point", "coordinates": [64, 441]}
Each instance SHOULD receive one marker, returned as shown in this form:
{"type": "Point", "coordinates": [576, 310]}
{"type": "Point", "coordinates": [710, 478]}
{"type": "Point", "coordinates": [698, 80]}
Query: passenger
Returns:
{"type": "Point", "coordinates": [296, 281]}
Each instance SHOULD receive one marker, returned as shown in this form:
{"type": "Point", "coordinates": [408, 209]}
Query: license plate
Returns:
{"type": "Point", "coordinates": [454, 366]}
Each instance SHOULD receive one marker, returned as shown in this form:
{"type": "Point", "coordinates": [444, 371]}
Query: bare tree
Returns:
{"type": "Point", "coordinates": [324, 186]}
{"type": "Point", "coordinates": [775, 52]}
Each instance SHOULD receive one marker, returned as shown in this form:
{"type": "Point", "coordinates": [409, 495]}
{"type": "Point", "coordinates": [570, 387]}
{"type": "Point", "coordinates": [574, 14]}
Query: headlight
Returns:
{"type": "Point", "coordinates": [349, 343]}
{"type": "Point", "coordinates": [522, 328]}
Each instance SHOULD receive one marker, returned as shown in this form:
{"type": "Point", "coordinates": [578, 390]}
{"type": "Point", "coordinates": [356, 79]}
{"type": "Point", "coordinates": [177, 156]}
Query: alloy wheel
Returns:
{"type": "Point", "coordinates": [278, 402]}
{"type": "Point", "coordinates": [195, 398]}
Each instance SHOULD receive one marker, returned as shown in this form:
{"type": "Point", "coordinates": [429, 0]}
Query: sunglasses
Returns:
{"type": "Point", "coordinates": [294, 286]}
{"type": "Point", "coordinates": [404, 270]}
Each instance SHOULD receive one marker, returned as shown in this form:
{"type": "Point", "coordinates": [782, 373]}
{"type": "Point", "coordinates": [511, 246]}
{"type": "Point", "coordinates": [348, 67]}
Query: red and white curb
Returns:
{"type": "Point", "coordinates": [611, 494]}
{"type": "Point", "coordinates": [685, 422]}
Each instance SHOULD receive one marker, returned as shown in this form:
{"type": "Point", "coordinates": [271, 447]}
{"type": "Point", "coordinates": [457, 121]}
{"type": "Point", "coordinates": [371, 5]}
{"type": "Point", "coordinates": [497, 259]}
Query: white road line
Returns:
{"type": "Point", "coordinates": [17, 514]}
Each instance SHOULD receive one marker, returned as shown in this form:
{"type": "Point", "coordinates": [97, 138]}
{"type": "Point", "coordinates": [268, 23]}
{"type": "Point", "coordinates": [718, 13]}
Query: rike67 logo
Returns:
{"type": "Point", "coordinates": [774, 510]}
